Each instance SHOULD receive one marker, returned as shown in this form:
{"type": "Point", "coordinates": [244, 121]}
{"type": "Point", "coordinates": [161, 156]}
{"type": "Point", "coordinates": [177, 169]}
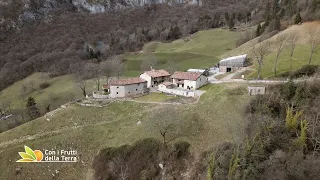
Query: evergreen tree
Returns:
{"type": "Point", "coordinates": [267, 11]}
{"type": "Point", "coordinates": [231, 23]}
{"type": "Point", "coordinates": [297, 19]}
{"type": "Point", "coordinates": [259, 30]}
{"type": "Point", "coordinates": [32, 109]}
{"type": "Point", "coordinates": [277, 24]}
{"type": "Point", "coordinates": [302, 139]}
{"type": "Point", "coordinates": [175, 33]}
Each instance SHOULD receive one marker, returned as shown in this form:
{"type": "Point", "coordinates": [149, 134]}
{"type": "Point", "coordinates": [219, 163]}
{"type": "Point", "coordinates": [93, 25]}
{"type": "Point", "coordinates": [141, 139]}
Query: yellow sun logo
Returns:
{"type": "Point", "coordinates": [30, 155]}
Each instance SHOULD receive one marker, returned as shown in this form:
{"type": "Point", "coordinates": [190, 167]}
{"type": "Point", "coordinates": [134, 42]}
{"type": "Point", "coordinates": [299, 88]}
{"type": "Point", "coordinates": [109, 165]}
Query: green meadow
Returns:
{"type": "Point", "coordinates": [200, 50]}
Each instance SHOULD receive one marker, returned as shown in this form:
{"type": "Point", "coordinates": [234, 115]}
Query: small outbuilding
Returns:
{"type": "Point", "coordinates": [232, 63]}
{"type": "Point", "coordinates": [166, 85]}
{"type": "Point", "coordinates": [256, 90]}
{"type": "Point", "coordinates": [127, 87]}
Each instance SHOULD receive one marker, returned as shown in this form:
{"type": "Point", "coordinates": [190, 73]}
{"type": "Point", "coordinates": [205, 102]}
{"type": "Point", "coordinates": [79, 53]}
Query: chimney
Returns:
{"type": "Point", "coordinates": [151, 68]}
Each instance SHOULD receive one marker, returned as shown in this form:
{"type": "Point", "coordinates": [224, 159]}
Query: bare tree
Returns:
{"type": "Point", "coordinates": [117, 66]}
{"type": "Point", "coordinates": [166, 122]}
{"type": "Point", "coordinates": [171, 66]}
{"type": "Point", "coordinates": [260, 52]}
{"type": "Point", "coordinates": [171, 124]}
{"type": "Point", "coordinates": [120, 164]}
{"type": "Point", "coordinates": [281, 42]}
{"type": "Point", "coordinates": [150, 61]}
{"type": "Point", "coordinates": [315, 126]}
{"type": "Point", "coordinates": [82, 85]}
{"type": "Point", "coordinates": [32, 84]}
{"type": "Point", "coordinates": [23, 90]}
{"type": "Point", "coordinates": [106, 69]}
{"type": "Point", "coordinates": [314, 41]}
{"type": "Point", "coordinates": [292, 40]}
{"type": "Point", "coordinates": [94, 71]}
{"type": "Point", "coordinates": [80, 77]}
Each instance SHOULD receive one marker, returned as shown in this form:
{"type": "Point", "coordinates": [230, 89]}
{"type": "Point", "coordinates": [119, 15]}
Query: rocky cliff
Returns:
{"type": "Point", "coordinates": [13, 13]}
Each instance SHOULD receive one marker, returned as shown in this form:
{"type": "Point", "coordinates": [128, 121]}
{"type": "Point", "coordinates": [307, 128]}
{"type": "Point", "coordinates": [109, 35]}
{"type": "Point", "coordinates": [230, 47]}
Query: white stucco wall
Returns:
{"type": "Point", "coordinates": [127, 90]}
{"type": "Point", "coordinates": [147, 78]}
{"type": "Point", "coordinates": [178, 92]}
{"type": "Point", "coordinates": [194, 85]}
{"type": "Point", "coordinates": [151, 80]}
{"type": "Point", "coordinates": [190, 84]}
{"type": "Point", "coordinates": [202, 80]}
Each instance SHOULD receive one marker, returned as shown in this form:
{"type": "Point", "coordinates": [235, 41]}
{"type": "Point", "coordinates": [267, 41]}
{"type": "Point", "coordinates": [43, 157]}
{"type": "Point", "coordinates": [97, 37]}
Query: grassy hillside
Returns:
{"type": "Point", "coordinates": [301, 54]}
{"type": "Point", "coordinates": [61, 89]}
{"type": "Point", "coordinates": [88, 129]}
{"type": "Point", "coordinates": [199, 50]}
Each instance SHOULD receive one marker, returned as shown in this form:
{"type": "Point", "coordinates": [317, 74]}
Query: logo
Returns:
{"type": "Point", "coordinates": [30, 155]}
{"type": "Point", "coordinates": [54, 155]}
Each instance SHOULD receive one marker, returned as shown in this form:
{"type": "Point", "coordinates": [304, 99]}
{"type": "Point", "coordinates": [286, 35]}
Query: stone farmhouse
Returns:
{"type": "Point", "coordinates": [127, 87]}
{"type": "Point", "coordinates": [189, 80]}
{"type": "Point", "coordinates": [155, 77]}
{"type": "Point", "coordinates": [232, 63]}
{"type": "Point", "coordinates": [180, 83]}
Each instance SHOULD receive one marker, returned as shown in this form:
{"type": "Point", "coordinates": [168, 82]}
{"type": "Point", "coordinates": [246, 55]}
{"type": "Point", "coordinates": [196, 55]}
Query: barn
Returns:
{"type": "Point", "coordinates": [232, 63]}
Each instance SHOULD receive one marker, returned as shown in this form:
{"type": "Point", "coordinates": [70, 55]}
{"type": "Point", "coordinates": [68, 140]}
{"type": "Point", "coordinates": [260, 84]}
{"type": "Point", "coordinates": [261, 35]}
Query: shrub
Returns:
{"type": "Point", "coordinates": [307, 70]}
{"type": "Point", "coordinates": [182, 149]}
{"type": "Point", "coordinates": [44, 85]}
{"type": "Point", "coordinates": [141, 160]}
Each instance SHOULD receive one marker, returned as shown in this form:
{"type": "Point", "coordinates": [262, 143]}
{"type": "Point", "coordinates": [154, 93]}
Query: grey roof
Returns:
{"type": "Point", "coordinates": [235, 61]}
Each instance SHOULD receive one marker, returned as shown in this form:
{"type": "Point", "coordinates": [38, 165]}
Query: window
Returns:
{"type": "Point", "coordinates": [117, 87]}
{"type": "Point", "coordinates": [117, 93]}
{"type": "Point", "coordinates": [136, 89]}
{"type": "Point", "coordinates": [129, 92]}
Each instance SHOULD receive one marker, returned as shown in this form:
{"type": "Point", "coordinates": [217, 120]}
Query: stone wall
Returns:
{"type": "Point", "coordinates": [256, 90]}
{"type": "Point", "coordinates": [100, 96]}
{"type": "Point", "coordinates": [178, 92]}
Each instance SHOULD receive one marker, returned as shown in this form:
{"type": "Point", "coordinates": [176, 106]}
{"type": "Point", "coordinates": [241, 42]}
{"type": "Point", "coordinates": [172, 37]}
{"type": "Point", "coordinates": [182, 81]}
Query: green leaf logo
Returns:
{"type": "Point", "coordinates": [30, 152]}
{"type": "Point", "coordinates": [30, 156]}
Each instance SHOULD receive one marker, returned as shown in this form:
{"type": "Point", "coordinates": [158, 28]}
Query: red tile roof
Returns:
{"type": "Point", "coordinates": [157, 73]}
{"type": "Point", "coordinates": [127, 81]}
{"type": "Point", "coordinates": [105, 86]}
{"type": "Point", "coordinates": [186, 75]}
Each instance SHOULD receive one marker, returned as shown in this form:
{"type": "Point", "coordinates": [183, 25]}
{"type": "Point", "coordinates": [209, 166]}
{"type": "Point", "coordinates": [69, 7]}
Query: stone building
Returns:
{"type": "Point", "coordinates": [127, 87]}
{"type": "Point", "coordinates": [155, 77]}
{"type": "Point", "coordinates": [189, 80]}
